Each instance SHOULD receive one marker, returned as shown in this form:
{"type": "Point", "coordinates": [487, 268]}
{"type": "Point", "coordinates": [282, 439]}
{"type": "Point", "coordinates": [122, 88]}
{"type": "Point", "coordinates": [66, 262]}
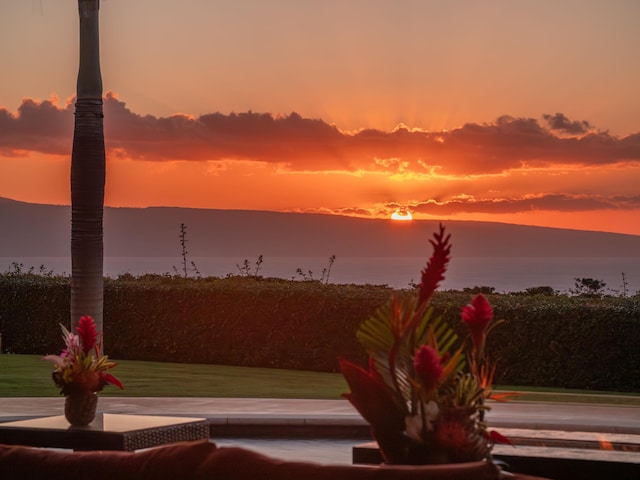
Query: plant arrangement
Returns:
{"type": "Point", "coordinates": [424, 393]}
{"type": "Point", "coordinates": [81, 368]}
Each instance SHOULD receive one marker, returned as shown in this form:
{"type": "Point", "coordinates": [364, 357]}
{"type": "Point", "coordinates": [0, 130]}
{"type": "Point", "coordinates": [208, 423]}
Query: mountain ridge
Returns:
{"type": "Point", "coordinates": [40, 230]}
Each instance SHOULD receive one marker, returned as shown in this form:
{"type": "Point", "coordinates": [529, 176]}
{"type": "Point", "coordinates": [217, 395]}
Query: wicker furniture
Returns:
{"type": "Point", "coordinates": [106, 432]}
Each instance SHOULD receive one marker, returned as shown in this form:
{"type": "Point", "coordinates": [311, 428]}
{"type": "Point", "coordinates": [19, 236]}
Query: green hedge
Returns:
{"type": "Point", "coordinates": [555, 341]}
{"type": "Point", "coordinates": [31, 307]}
{"type": "Point", "coordinates": [240, 321]}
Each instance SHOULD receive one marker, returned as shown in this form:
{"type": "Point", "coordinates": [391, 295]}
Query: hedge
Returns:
{"type": "Point", "coordinates": [554, 341]}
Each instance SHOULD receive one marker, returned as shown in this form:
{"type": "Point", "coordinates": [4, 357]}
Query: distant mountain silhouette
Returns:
{"type": "Point", "coordinates": [34, 230]}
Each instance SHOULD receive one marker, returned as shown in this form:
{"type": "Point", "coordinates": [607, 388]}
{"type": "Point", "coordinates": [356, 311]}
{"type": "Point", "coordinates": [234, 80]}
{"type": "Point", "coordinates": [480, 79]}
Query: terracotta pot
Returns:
{"type": "Point", "coordinates": [80, 408]}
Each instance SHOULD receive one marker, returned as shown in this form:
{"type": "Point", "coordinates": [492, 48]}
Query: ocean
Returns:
{"type": "Point", "coordinates": [502, 273]}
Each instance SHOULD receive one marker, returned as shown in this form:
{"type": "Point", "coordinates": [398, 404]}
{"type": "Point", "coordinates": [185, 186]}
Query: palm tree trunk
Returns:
{"type": "Point", "coordinates": [88, 175]}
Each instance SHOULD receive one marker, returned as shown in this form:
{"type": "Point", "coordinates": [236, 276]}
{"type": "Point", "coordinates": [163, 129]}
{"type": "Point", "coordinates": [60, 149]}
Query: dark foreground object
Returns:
{"type": "Point", "coordinates": [558, 467]}
{"type": "Point", "coordinates": [203, 460]}
{"type": "Point", "coordinates": [572, 468]}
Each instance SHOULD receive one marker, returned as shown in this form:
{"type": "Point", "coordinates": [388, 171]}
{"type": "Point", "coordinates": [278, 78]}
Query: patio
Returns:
{"type": "Point", "coordinates": [550, 437]}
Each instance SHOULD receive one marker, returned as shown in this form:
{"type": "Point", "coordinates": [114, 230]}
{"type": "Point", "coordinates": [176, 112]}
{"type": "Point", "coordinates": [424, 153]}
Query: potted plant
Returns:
{"type": "Point", "coordinates": [81, 371]}
{"type": "Point", "coordinates": [424, 393]}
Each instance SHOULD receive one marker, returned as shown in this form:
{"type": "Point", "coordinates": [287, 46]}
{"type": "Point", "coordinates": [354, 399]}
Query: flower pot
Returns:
{"type": "Point", "coordinates": [80, 408]}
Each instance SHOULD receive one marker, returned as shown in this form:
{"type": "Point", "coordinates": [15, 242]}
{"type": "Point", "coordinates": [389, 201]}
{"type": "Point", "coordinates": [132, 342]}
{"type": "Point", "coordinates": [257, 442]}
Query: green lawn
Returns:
{"type": "Point", "coordinates": [30, 376]}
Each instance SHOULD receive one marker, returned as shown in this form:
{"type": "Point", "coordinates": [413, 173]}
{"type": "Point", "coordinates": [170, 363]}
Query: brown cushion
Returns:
{"type": "Point", "coordinates": [202, 460]}
{"type": "Point", "coordinates": [175, 461]}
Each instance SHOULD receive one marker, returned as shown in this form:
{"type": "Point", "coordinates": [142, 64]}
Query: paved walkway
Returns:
{"type": "Point", "coordinates": [522, 415]}
{"type": "Point", "coordinates": [550, 430]}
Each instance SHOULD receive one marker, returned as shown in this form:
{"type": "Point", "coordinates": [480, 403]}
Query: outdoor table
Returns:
{"type": "Point", "coordinates": [106, 432]}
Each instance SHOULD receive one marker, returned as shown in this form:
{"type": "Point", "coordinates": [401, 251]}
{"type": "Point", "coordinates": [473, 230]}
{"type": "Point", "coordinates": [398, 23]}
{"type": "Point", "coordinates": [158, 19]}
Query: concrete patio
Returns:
{"type": "Point", "coordinates": [594, 436]}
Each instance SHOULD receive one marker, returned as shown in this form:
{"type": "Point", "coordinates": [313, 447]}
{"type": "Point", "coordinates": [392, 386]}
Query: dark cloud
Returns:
{"type": "Point", "coordinates": [38, 127]}
{"type": "Point", "coordinates": [561, 123]}
{"type": "Point", "coordinates": [564, 203]}
{"type": "Point", "coordinates": [550, 202]}
{"type": "Point", "coordinates": [304, 144]}
{"type": "Point", "coordinates": [347, 211]}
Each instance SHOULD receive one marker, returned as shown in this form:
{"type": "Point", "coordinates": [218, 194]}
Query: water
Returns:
{"type": "Point", "coordinates": [504, 274]}
{"type": "Point", "coordinates": [325, 451]}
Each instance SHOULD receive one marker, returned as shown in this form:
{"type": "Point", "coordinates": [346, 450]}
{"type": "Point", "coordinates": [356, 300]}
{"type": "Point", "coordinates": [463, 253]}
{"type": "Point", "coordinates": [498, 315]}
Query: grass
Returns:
{"type": "Point", "coordinates": [30, 376]}
{"type": "Point", "coordinates": [545, 394]}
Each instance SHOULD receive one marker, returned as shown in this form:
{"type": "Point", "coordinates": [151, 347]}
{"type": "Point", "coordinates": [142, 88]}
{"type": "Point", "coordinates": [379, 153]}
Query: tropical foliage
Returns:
{"type": "Point", "coordinates": [81, 368]}
{"type": "Point", "coordinates": [423, 396]}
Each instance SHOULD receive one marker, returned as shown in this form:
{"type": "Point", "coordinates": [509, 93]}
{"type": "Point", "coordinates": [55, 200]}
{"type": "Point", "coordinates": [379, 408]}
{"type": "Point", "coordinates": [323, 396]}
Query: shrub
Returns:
{"type": "Point", "coordinates": [557, 341]}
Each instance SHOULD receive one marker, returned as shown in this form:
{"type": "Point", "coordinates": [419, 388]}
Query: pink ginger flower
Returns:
{"type": "Point", "coordinates": [72, 344]}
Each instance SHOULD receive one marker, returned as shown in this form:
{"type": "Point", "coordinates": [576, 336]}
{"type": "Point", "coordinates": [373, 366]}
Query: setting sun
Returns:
{"type": "Point", "coordinates": [401, 214]}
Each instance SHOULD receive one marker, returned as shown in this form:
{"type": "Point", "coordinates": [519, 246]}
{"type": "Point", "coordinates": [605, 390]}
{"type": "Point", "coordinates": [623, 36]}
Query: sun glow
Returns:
{"type": "Point", "coordinates": [401, 214]}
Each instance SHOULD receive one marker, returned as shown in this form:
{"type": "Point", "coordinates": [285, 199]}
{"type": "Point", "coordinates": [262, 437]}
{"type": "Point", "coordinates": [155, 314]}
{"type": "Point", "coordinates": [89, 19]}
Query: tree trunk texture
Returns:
{"type": "Point", "coordinates": [88, 175]}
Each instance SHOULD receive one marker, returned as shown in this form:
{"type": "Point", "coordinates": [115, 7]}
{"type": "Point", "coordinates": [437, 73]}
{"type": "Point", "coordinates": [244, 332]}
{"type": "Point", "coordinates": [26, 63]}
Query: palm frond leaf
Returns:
{"type": "Point", "coordinates": [395, 331]}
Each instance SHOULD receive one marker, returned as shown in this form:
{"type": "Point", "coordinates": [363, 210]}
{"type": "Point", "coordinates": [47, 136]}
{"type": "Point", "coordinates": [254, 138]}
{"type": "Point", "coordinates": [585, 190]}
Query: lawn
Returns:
{"type": "Point", "coordinates": [30, 376]}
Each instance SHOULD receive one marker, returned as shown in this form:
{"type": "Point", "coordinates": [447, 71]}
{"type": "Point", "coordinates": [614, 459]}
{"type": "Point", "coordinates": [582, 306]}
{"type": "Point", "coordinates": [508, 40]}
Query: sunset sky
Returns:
{"type": "Point", "coordinates": [523, 112]}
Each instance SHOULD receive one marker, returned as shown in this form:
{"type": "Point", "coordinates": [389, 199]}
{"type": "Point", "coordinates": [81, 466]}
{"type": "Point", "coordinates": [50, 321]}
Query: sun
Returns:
{"type": "Point", "coordinates": [402, 215]}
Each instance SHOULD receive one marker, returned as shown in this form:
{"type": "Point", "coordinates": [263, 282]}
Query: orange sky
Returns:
{"type": "Point", "coordinates": [522, 112]}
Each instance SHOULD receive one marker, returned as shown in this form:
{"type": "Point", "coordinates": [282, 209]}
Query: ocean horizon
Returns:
{"type": "Point", "coordinates": [505, 274]}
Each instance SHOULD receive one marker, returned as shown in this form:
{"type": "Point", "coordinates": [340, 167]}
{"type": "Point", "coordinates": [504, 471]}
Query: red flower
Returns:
{"type": "Point", "coordinates": [477, 317]}
{"type": "Point", "coordinates": [108, 378]}
{"type": "Point", "coordinates": [433, 273]}
{"type": "Point", "coordinates": [87, 332]}
{"type": "Point", "coordinates": [495, 437]}
{"type": "Point", "coordinates": [428, 366]}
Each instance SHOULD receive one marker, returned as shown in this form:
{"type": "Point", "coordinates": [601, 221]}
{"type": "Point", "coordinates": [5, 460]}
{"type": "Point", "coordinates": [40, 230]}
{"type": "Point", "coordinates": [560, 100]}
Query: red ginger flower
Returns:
{"type": "Point", "coordinates": [433, 273]}
{"type": "Point", "coordinates": [428, 366]}
{"type": "Point", "coordinates": [88, 334]}
{"type": "Point", "coordinates": [477, 317]}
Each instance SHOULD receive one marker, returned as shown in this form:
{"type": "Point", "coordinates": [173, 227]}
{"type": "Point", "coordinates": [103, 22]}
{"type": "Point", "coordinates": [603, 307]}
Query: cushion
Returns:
{"type": "Point", "coordinates": [175, 461]}
{"type": "Point", "coordinates": [202, 460]}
